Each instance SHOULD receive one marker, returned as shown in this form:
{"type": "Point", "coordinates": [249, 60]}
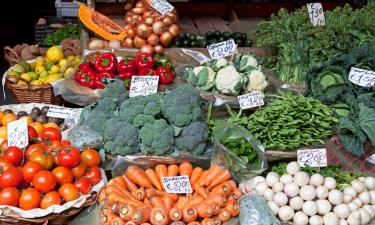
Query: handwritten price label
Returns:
{"type": "Point", "coordinates": [143, 85]}
{"type": "Point", "coordinates": [18, 133]}
{"type": "Point", "coordinates": [222, 49]}
{"type": "Point", "coordinates": [363, 78]}
{"type": "Point", "coordinates": [62, 112]}
{"type": "Point", "coordinates": [312, 157]}
{"type": "Point", "coordinates": [200, 57]}
{"type": "Point", "coordinates": [316, 14]}
{"type": "Point", "coordinates": [162, 6]}
{"type": "Point", "coordinates": [251, 100]}
{"type": "Point", "coordinates": [177, 185]}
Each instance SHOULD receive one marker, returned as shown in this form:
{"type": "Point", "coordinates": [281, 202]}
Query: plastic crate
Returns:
{"type": "Point", "coordinates": [41, 31]}
{"type": "Point", "coordinates": [66, 8]}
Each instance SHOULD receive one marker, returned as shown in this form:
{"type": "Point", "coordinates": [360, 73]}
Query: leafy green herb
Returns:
{"type": "Point", "coordinates": [67, 31]}
{"type": "Point", "coordinates": [242, 148]}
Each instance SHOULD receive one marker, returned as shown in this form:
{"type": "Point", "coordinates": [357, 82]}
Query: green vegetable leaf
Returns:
{"type": "Point", "coordinates": [367, 121]}
{"type": "Point", "coordinates": [351, 135]}
{"type": "Point", "coordinates": [202, 77]}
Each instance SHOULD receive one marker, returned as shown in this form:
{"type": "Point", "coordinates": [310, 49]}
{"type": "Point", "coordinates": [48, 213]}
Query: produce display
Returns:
{"type": "Point", "coordinates": [139, 196]}
{"type": "Point", "coordinates": [244, 75]}
{"type": "Point", "coordinates": [72, 31]}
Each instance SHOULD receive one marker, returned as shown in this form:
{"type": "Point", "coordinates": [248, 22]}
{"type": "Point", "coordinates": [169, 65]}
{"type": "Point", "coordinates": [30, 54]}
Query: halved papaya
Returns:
{"type": "Point", "coordinates": [100, 25]}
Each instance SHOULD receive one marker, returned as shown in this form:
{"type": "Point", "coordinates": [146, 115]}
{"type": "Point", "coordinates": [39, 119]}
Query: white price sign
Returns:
{"type": "Point", "coordinates": [162, 6]}
{"type": "Point", "coordinates": [251, 100]}
{"type": "Point", "coordinates": [222, 49]}
{"type": "Point", "coordinates": [312, 157]}
{"type": "Point", "coordinates": [363, 78]}
{"type": "Point", "coordinates": [18, 133]}
{"type": "Point", "coordinates": [316, 14]}
{"type": "Point", "coordinates": [143, 85]}
{"type": "Point", "coordinates": [200, 57]}
{"type": "Point", "coordinates": [62, 112]}
{"type": "Point", "coordinates": [177, 185]}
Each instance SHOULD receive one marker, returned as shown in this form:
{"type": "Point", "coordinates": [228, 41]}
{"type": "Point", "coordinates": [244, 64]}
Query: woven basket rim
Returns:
{"type": "Point", "coordinates": [27, 87]}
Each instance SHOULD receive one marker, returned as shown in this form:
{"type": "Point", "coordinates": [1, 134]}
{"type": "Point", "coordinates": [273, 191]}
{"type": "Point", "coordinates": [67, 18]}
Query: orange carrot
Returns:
{"type": "Point", "coordinates": [202, 178]}
{"type": "Point", "coordinates": [126, 211]}
{"type": "Point", "coordinates": [213, 172]}
{"type": "Point", "coordinates": [156, 201]}
{"type": "Point", "coordinates": [107, 216]}
{"type": "Point", "coordinates": [175, 214]}
{"type": "Point", "coordinates": [168, 202]}
{"type": "Point", "coordinates": [224, 189]}
{"type": "Point", "coordinates": [185, 169]}
{"type": "Point", "coordinates": [189, 214]}
{"type": "Point", "coordinates": [194, 201]}
{"type": "Point", "coordinates": [195, 175]}
{"type": "Point", "coordinates": [139, 194]}
{"type": "Point", "coordinates": [120, 180]}
{"type": "Point", "coordinates": [219, 178]}
{"type": "Point", "coordinates": [141, 215]}
{"type": "Point", "coordinates": [151, 174]}
{"type": "Point", "coordinates": [162, 171]}
{"type": "Point", "coordinates": [182, 201]}
{"type": "Point", "coordinates": [224, 215]}
{"type": "Point", "coordinates": [102, 195]}
{"type": "Point", "coordinates": [153, 191]}
{"type": "Point", "coordinates": [237, 194]}
{"type": "Point", "coordinates": [178, 223]}
{"type": "Point", "coordinates": [200, 190]}
{"type": "Point", "coordinates": [216, 221]}
{"type": "Point", "coordinates": [234, 209]}
{"type": "Point", "coordinates": [130, 223]}
{"type": "Point", "coordinates": [194, 223]}
{"type": "Point", "coordinates": [172, 170]}
{"type": "Point", "coordinates": [129, 184]}
{"type": "Point", "coordinates": [159, 216]}
{"type": "Point", "coordinates": [117, 221]}
{"type": "Point", "coordinates": [114, 197]}
{"type": "Point", "coordinates": [138, 176]}
{"type": "Point", "coordinates": [232, 183]}
{"type": "Point", "coordinates": [217, 209]}
{"type": "Point", "coordinates": [218, 199]}
{"type": "Point", "coordinates": [116, 207]}
{"type": "Point", "coordinates": [205, 210]}
{"type": "Point", "coordinates": [207, 221]}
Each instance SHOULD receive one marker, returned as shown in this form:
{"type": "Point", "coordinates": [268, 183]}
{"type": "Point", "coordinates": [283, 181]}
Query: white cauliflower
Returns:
{"type": "Point", "coordinates": [219, 63]}
{"type": "Point", "coordinates": [256, 81]}
{"type": "Point", "coordinates": [246, 62]}
{"type": "Point", "coordinates": [201, 77]}
{"type": "Point", "coordinates": [228, 80]}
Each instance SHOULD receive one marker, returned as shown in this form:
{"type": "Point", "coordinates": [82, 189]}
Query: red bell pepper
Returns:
{"type": "Point", "coordinates": [106, 62]}
{"type": "Point", "coordinates": [147, 72]}
{"type": "Point", "coordinates": [145, 61]}
{"type": "Point", "coordinates": [99, 83]}
{"type": "Point", "coordinates": [106, 75]}
{"type": "Point", "coordinates": [85, 75]}
{"type": "Point", "coordinates": [126, 75]}
{"type": "Point", "coordinates": [127, 65]}
{"type": "Point", "coordinates": [101, 77]}
{"type": "Point", "coordinates": [92, 57]}
{"type": "Point", "coordinates": [165, 74]}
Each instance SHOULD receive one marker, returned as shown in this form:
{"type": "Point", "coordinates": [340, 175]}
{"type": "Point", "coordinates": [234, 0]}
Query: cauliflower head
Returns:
{"type": "Point", "coordinates": [201, 77]}
{"type": "Point", "coordinates": [219, 63]}
{"type": "Point", "coordinates": [256, 81]}
{"type": "Point", "coordinates": [246, 62]}
{"type": "Point", "coordinates": [228, 80]}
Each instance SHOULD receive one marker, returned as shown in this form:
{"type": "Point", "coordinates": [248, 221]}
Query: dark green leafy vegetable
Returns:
{"type": "Point", "coordinates": [67, 31]}
{"type": "Point", "coordinates": [243, 149]}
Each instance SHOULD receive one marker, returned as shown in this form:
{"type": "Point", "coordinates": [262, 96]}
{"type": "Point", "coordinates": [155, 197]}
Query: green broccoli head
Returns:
{"type": "Point", "coordinates": [157, 138]}
{"type": "Point", "coordinates": [143, 119]}
{"type": "Point", "coordinates": [181, 106]}
{"type": "Point", "coordinates": [148, 105]}
{"type": "Point", "coordinates": [94, 119]}
{"type": "Point", "coordinates": [113, 90]}
{"type": "Point", "coordinates": [193, 137]}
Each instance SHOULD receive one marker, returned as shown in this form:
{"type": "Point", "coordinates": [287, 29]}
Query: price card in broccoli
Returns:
{"type": "Point", "coordinates": [251, 100]}
{"type": "Point", "coordinates": [177, 184]}
{"type": "Point", "coordinates": [222, 49]}
{"type": "Point", "coordinates": [316, 14]}
{"type": "Point", "coordinates": [162, 6]}
{"type": "Point", "coordinates": [363, 78]}
{"type": "Point", "coordinates": [312, 157]}
{"type": "Point", "coordinates": [18, 133]}
{"type": "Point", "coordinates": [143, 85]}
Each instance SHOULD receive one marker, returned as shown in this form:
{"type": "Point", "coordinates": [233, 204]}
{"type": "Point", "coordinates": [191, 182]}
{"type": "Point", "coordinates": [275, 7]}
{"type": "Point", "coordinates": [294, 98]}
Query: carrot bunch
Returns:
{"type": "Point", "coordinates": [138, 197]}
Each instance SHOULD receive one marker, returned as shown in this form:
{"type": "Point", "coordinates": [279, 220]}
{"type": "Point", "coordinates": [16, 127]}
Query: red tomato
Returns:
{"type": "Point", "coordinates": [44, 181]}
{"type": "Point", "coordinates": [51, 133]}
{"type": "Point", "coordinates": [65, 143]}
{"type": "Point", "coordinates": [30, 199]}
{"type": "Point", "coordinates": [9, 196]}
{"type": "Point", "coordinates": [5, 165]}
{"type": "Point", "coordinates": [52, 145]}
{"type": "Point", "coordinates": [68, 192]}
{"type": "Point", "coordinates": [45, 159]}
{"type": "Point", "coordinates": [14, 155]}
{"type": "Point", "coordinates": [83, 184]}
{"type": "Point", "coordinates": [79, 170]}
{"type": "Point", "coordinates": [33, 148]}
{"type": "Point", "coordinates": [69, 156]}
{"type": "Point", "coordinates": [4, 145]}
{"type": "Point", "coordinates": [11, 178]}
{"type": "Point", "coordinates": [51, 198]}
{"type": "Point", "coordinates": [62, 175]}
{"type": "Point", "coordinates": [29, 170]}
{"type": "Point", "coordinates": [94, 175]}
{"type": "Point", "coordinates": [33, 135]}
{"type": "Point", "coordinates": [90, 157]}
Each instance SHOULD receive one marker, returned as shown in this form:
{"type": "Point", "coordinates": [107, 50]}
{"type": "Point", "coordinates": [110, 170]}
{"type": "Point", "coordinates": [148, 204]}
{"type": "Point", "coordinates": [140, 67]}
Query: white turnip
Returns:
{"type": "Point", "coordinates": [365, 197]}
{"type": "Point", "coordinates": [322, 192]}
{"type": "Point", "coordinates": [354, 218]}
{"type": "Point", "coordinates": [310, 208]}
{"type": "Point", "coordinates": [293, 168]}
{"type": "Point", "coordinates": [274, 207]}
{"type": "Point", "coordinates": [286, 213]}
{"type": "Point", "coordinates": [324, 206]}
{"type": "Point", "coordinates": [280, 199]}
{"type": "Point", "coordinates": [335, 197]}
{"type": "Point", "coordinates": [301, 179]}
{"type": "Point", "coordinates": [286, 178]}
{"type": "Point", "coordinates": [331, 219]}
{"type": "Point", "coordinates": [347, 199]}
{"type": "Point", "coordinates": [342, 211]}
{"type": "Point", "coordinates": [358, 186]}
{"type": "Point", "coordinates": [272, 178]}
{"type": "Point", "coordinates": [370, 210]}
{"type": "Point", "coordinates": [300, 218]}
{"type": "Point", "coordinates": [268, 194]}
{"type": "Point", "coordinates": [365, 216]}
{"type": "Point", "coordinates": [316, 180]}
{"type": "Point", "coordinates": [353, 207]}
{"type": "Point", "coordinates": [307, 192]}
{"type": "Point", "coordinates": [296, 203]}
{"type": "Point", "coordinates": [370, 183]}
{"type": "Point", "coordinates": [291, 189]}
{"type": "Point", "coordinates": [261, 187]}
{"type": "Point", "coordinates": [316, 220]}
{"type": "Point", "coordinates": [277, 187]}
{"type": "Point", "coordinates": [330, 183]}
{"type": "Point", "coordinates": [350, 191]}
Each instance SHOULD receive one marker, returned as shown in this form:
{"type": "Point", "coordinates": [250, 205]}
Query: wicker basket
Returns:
{"type": "Point", "coordinates": [33, 93]}
{"type": "Point", "coordinates": [53, 219]}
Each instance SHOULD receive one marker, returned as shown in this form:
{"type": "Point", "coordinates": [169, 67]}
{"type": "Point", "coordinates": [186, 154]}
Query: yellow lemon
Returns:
{"type": "Point", "coordinates": [55, 54]}
{"type": "Point", "coordinates": [40, 69]}
{"type": "Point", "coordinates": [34, 75]}
{"type": "Point", "coordinates": [68, 71]}
{"type": "Point", "coordinates": [39, 59]}
{"type": "Point", "coordinates": [21, 82]}
{"type": "Point", "coordinates": [26, 77]}
{"type": "Point", "coordinates": [54, 69]}
{"type": "Point", "coordinates": [36, 82]}
{"type": "Point", "coordinates": [52, 77]}
{"type": "Point", "coordinates": [62, 63]}
{"type": "Point", "coordinates": [39, 64]}
{"type": "Point", "coordinates": [43, 75]}
{"type": "Point", "coordinates": [71, 57]}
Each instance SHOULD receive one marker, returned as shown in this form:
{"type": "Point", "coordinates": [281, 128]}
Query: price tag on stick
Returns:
{"type": "Point", "coordinates": [312, 157]}
{"type": "Point", "coordinates": [222, 49]}
{"type": "Point", "coordinates": [18, 133]}
{"type": "Point", "coordinates": [251, 100]}
{"type": "Point", "coordinates": [162, 6]}
{"type": "Point", "coordinates": [363, 78]}
{"type": "Point", "coordinates": [143, 85]}
{"type": "Point", "coordinates": [177, 185]}
{"type": "Point", "coordinates": [316, 14]}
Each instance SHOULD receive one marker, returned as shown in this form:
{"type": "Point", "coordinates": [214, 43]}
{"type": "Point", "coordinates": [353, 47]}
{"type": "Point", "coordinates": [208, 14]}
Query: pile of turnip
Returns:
{"type": "Point", "coordinates": [302, 199]}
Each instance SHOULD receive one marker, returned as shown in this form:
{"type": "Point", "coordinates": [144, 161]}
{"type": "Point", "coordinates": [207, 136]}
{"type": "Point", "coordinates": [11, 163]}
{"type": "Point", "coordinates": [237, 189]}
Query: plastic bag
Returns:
{"type": "Point", "coordinates": [225, 157]}
{"type": "Point", "coordinates": [90, 215]}
{"type": "Point", "coordinates": [83, 137]}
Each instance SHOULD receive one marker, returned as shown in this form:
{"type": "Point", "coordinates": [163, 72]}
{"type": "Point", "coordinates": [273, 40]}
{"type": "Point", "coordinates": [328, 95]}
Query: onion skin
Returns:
{"type": "Point", "coordinates": [167, 21]}
{"type": "Point", "coordinates": [130, 33]}
{"type": "Point", "coordinates": [153, 39]}
{"type": "Point", "coordinates": [139, 42]}
{"type": "Point", "coordinates": [143, 30]}
{"type": "Point", "coordinates": [149, 21]}
{"type": "Point", "coordinates": [159, 49]}
{"type": "Point", "coordinates": [166, 38]}
{"type": "Point", "coordinates": [147, 49]}
{"type": "Point", "coordinates": [174, 29]}
{"type": "Point", "coordinates": [138, 11]}
{"type": "Point", "coordinates": [158, 27]}
{"type": "Point", "coordinates": [128, 43]}
{"type": "Point", "coordinates": [140, 4]}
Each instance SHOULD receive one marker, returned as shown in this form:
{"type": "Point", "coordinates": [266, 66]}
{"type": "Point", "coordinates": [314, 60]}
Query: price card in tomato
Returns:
{"type": "Point", "coordinates": [222, 49]}
{"type": "Point", "coordinates": [162, 6]}
{"type": "Point", "coordinates": [363, 78]}
{"type": "Point", "coordinates": [177, 185]}
{"type": "Point", "coordinates": [316, 14]}
{"type": "Point", "coordinates": [312, 157]}
{"type": "Point", "coordinates": [251, 100]}
{"type": "Point", "coordinates": [18, 133]}
{"type": "Point", "coordinates": [143, 85]}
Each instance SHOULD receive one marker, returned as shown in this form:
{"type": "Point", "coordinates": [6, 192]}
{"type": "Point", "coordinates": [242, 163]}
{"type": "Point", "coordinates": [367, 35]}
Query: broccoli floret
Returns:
{"type": "Point", "coordinates": [95, 120]}
{"type": "Point", "coordinates": [113, 90]}
{"type": "Point", "coordinates": [148, 105]}
{"type": "Point", "coordinates": [193, 137]}
{"type": "Point", "coordinates": [157, 138]}
{"type": "Point", "coordinates": [143, 119]}
{"type": "Point", "coordinates": [181, 106]}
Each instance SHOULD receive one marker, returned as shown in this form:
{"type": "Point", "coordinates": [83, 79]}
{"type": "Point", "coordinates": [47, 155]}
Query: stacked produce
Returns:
{"type": "Point", "coordinates": [311, 196]}
{"type": "Point", "coordinates": [157, 124]}
{"type": "Point", "coordinates": [72, 31]}
{"type": "Point", "coordinates": [140, 197]}
{"type": "Point", "coordinates": [43, 70]}
{"type": "Point", "coordinates": [243, 76]}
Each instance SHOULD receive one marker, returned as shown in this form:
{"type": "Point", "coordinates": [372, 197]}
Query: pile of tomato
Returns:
{"type": "Point", "coordinates": [47, 172]}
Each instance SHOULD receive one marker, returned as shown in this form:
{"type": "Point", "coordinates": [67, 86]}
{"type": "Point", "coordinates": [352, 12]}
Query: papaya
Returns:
{"type": "Point", "coordinates": [100, 24]}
